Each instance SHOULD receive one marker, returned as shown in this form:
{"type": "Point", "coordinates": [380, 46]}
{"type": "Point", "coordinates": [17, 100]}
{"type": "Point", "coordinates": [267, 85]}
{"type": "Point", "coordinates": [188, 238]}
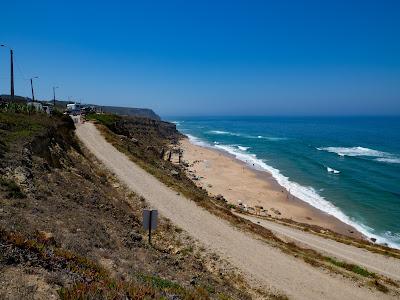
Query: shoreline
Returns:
{"type": "Point", "coordinates": [220, 173]}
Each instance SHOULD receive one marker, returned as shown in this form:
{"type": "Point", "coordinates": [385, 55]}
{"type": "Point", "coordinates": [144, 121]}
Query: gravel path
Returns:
{"type": "Point", "coordinates": [259, 262]}
{"type": "Point", "coordinates": [387, 266]}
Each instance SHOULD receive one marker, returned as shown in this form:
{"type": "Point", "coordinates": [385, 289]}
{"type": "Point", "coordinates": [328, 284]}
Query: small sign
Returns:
{"type": "Point", "coordinates": [150, 219]}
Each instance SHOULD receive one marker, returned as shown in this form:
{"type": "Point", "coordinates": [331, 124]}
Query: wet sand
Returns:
{"type": "Point", "coordinates": [220, 173]}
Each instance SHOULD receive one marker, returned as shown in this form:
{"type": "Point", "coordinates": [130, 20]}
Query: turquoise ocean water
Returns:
{"type": "Point", "coordinates": [346, 166]}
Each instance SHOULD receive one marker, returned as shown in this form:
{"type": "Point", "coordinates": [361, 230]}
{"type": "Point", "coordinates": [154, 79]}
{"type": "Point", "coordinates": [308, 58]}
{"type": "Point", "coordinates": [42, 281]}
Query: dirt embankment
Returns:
{"type": "Point", "coordinates": [274, 268]}
{"type": "Point", "coordinates": [70, 229]}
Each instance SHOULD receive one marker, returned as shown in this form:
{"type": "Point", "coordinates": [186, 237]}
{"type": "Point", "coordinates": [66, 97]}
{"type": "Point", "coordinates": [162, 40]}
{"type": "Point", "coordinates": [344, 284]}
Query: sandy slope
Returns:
{"type": "Point", "coordinates": [257, 260]}
{"type": "Point", "coordinates": [221, 173]}
{"type": "Point", "coordinates": [387, 266]}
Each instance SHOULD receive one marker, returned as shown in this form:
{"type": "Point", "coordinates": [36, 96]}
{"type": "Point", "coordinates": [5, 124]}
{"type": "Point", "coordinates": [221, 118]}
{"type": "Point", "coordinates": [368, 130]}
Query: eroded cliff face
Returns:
{"type": "Point", "coordinates": [68, 228]}
{"type": "Point", "coordinates": [148, 130]}
{"type": "Point", "coordinates": [131, 111]}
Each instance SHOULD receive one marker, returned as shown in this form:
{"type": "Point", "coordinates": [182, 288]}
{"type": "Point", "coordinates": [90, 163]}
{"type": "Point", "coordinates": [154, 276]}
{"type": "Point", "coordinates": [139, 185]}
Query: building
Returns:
{"type": "Point", "coordinates": [37, 105]}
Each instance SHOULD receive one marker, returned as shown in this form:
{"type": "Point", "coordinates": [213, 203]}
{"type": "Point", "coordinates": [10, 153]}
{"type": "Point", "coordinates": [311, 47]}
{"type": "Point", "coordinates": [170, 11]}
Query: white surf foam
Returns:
{"type": "Point", "coordinates": [380, 156]}
{"type": "Point", "coordinates": [269, 138]}
{"type": "Point", "coordinates": [330, 170]}
{"type": "Point", "coordinates": [177, 123]}
{"type": "Point", "coordinates": [221, 132]}
{"type": "Point", "coordinates": [388, 160]}
{"type": "Point", "coordinates": [305, 193]}
{"type": "Point", "coordinates": [355, 151]}
{"type": "Point", "coordinates": [243, 148]}
{"type": "Point", "coordinates": [196, 141]}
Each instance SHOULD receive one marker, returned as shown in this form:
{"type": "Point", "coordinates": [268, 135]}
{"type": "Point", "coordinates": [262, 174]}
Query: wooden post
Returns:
{"type": "Point", "coordinates": [170, 155]}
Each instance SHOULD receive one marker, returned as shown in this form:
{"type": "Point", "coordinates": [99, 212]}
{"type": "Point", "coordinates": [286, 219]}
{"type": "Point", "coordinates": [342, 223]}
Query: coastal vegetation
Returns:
{"type": "Point", "coordinates": [323, 232]}
{"type": "Point", "coordinates": [72, 225]}
{"type": "Point", "coordinates": [69, 229]}
{"type": "Point", "coordinates": [145, 149]}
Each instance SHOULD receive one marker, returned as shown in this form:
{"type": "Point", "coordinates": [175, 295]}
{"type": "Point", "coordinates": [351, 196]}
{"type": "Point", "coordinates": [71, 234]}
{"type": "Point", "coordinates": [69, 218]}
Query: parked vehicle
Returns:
{"type": "Point", "coordinates": [74, 109]}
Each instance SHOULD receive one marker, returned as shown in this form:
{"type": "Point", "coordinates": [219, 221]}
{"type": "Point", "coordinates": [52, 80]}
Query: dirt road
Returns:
{"type": "Point", "coordinates": [387, 266]}
{"type": "Point", "coordinates": [259, 262]}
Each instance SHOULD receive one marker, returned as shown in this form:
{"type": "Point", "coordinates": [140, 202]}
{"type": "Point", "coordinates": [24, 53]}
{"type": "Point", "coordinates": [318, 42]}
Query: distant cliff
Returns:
{"type": "Point", "coordinates": [123, 111]}
{"type": "Point", "coordinates": [130, 111]}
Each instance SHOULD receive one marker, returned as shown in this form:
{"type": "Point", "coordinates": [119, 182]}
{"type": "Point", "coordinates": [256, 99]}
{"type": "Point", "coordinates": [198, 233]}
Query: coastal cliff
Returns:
{"type": "Point", "coordinates": [122, 111]}
{"type": "Point", "coordinates": [131, 111]}
{"type": "Point", "coordinates": [69, 229]}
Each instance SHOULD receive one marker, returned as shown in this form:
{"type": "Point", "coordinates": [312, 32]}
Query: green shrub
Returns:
{"type": "Point", "coordinates": [17, 108]}
{"type": "Point", "coordinates": [351, 267]}
{"type": "Point", "coordinates": [105, 119]}
{"type": "Point", "coordinates": [12, 189]}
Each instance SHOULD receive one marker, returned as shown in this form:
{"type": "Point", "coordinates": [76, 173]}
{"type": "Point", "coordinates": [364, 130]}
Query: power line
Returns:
{"type": "Point", "coordinates": [20, 69]}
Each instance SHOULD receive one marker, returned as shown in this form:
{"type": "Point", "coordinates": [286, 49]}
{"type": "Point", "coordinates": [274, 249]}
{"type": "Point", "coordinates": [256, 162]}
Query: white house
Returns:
{"type": "Point", "coordinates": [37, 105]}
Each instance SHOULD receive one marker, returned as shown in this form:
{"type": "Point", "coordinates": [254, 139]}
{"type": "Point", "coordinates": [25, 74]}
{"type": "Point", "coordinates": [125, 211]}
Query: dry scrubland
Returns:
{"type": "Point", "coordinates": [127, 136]}
{"type": "Point", "coordinates": [68, 229]}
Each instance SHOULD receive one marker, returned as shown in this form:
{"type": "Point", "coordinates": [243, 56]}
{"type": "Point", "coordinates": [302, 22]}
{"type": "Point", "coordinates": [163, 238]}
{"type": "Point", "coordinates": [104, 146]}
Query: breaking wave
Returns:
{"type": "Point", "coordinates": [306, 193]}
{"type": "Point", "coordinates": [389, 160]}
{"type": "Point", "coordinates": [177, 123]}
{"type": "Point", "coordinates": [196, 141]}
{"type": "Point", "coordinates": [243, 148]}
{"type": "Point", "coordinates": [331, 170]}
{"type": "Point", "coordinates": [269, 138]}
{"type": "Point", "coordinates": [221, 132]}
{"type": "Point", "coordinates": [379, 156]}
{"type": "Point", "coordinates": [354, 151]}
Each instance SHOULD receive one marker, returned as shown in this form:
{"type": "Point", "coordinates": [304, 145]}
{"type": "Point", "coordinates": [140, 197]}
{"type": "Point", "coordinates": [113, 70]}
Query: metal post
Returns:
{"type": "Point", "coordinates": [151, 212]}
{"type": "Point", "coordinates": [12, 74]}
{"type": "Point", "coordinates": [54, 97]}
{"type": "Point", "coordinates": [33, 95]}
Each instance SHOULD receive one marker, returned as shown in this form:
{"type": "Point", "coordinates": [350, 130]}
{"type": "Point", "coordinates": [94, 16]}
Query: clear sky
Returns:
{"type": "Point", "coordinates": [209, 57]}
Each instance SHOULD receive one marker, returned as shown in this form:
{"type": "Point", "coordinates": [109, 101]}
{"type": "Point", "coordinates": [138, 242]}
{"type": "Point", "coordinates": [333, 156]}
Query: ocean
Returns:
{"type": "Point", "coordinates": [348, 167]}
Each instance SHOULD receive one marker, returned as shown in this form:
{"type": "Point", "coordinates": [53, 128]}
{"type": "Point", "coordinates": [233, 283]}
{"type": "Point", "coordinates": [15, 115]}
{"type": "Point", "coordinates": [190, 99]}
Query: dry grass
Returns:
{"type": "Point", "coordinates": [161, 169]}
{"type": "Point", "coordinates": [95, 282]}
{"type": "Point", "coordinates": [11, 189]}
{"type": "Point", "coordinates": [326, 233]}
{"type": "Point", "coordinates": [80, 231]}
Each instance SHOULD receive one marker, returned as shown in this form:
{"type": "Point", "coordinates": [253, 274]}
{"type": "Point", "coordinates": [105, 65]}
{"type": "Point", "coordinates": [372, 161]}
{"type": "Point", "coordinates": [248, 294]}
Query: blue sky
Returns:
{"type": "Point", "coordinates": [209, 57]}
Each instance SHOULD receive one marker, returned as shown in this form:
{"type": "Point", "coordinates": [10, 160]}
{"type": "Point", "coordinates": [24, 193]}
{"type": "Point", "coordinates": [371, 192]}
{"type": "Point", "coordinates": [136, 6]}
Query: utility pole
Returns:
{"type": "Point", "coordinates": [54, 96]}
{"type": "Point", "coordinates": [12, 70]}
{"type": "Point", "coordinates": [12, 74]}
{"type": "Point", "coordinates": [33, 94]}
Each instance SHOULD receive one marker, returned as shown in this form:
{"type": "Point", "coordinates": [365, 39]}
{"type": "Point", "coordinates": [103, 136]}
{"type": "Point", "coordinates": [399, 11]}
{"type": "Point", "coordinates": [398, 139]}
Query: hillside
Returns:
{"type": "Point", "coordinates": [69, 229]}
{"type": "Point", "coordinates": [130, 111]}
{"type": "Point", "coordinates": [136, 139]}
{"type": "Point", "coordinates": [123, 111]}
{"type": "Point", "coordinates": [18, 99]}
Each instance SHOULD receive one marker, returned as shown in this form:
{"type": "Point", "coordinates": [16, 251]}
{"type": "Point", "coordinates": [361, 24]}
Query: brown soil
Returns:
{"type": "Point", "coordinates": [65, 202]}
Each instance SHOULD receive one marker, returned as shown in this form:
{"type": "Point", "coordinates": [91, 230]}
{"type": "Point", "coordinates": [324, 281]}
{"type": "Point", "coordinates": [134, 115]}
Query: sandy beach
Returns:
{"type": "Point", "coordinates": [264, 266]}
{"type": "Point", "coordinates": [220, 173]}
